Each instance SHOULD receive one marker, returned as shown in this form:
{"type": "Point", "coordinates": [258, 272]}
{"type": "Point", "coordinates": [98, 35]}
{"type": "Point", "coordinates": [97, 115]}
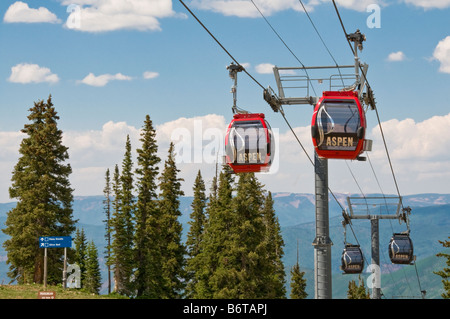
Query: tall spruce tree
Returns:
{"type": "Point", "coordinates": [214, 238]}
{"type": "Point", "coordinates": [93, 278]}
{"type": "Point", "coordinates": [357, 291]}
{"type": "Point", "coordinates": [122, 246]}
{"type": "Point", "coordinates": [275, 282]}
{"type": "Point", "coordinates": [298, 283]}
{"type": "Point", "coordinates": [194, 237]}
{"type": "Point", "coordinates": [107, 207]}
{"type": "Point", "coordinates": [113, 259]}
{"type": "Point", "coordinates": [242, 272]}
{"type": "Point", "coordinates": [148, 278]}
{"type": "Point", "coordinates": [80, 243]}
{"type": "Point", "coordinates": [241, 247]}
{"type": "Point", "coordinates": [172, 250]}
{"type": "Point", "coordinates": [40, 184]}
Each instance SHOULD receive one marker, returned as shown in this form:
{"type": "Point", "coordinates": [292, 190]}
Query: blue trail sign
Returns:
{"type": "Point", "coordinates": [55, 242]}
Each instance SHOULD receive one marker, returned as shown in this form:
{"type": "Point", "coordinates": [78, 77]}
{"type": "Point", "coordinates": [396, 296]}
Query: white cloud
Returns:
{"type": "Point", "coordinates": [429, 4]}
{"type": "Point", "coordinates": [111, 15]}
{"type": "Point", "coordinates": [21, 12]}
{"type": "Point", "coordinates": [264, 68]}
{"type": "Point", "coordinates": [246, 9]}
{"type": "Point", "coordinates": [32, 73]}
{"type": "Point", "coordinates": [410, 140]}
{"type": "Point", "coordinates": [246, 65]}
{"type": "Point", "coordinates": [150, 75]}
{"type": "Point", "coordinates": [102, 80]}
{"type": "Point", "coordinates": [396, 56]}
{"type": "Point", "coordinates": [357, 5]}
{"type": "Point", "coordinates": [267, 68]}
{"type": "Point", "coordinates": [420, 153]}
{"type": "Point", "coordinates": [442, 54]}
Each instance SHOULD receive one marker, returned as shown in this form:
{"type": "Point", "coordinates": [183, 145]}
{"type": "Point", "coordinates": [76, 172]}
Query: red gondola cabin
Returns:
{"type": "Point", "coordinates": [338, 125]}
{"type": "Point", "coordinates": [249, 144]}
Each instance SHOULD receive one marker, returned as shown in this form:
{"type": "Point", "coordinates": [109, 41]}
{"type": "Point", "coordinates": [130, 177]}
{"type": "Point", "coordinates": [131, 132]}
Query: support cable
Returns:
{"type": "Point", "coordinates": [376, 110]}
{"type": "Point", "coordinates": [381, 129]}
{"type": "Point", "coordinates": [309, 157]}
{"type": "Point", "coordinates": [220, 44]}
{"type": "Point", "coordinates": [281, 39]}
{"type": "Point", "coordinates": [282, 112]}
{"type": "Point", "coordinates": [323, 42]}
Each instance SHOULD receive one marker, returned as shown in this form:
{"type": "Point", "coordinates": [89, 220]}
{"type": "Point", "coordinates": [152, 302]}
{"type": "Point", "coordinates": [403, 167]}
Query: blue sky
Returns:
{"type": "Point", "coordinates": [130, 58]}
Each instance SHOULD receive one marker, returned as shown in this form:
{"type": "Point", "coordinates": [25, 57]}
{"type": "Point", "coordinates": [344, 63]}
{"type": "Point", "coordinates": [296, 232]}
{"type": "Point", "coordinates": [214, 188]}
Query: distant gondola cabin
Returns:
{"type": "Point", "coordinates": [352, 260]}
{"type": "Point", "coordinates": [338, 125]}
{"type": "Point", "coordinates": [401, 250]}
{"type": "Point", "coordinates": [249, 143]}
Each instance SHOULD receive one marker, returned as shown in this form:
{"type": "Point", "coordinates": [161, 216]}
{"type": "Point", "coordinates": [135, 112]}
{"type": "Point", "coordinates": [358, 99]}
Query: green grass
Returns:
{"type": "Point", "coordinates": [32, 291]}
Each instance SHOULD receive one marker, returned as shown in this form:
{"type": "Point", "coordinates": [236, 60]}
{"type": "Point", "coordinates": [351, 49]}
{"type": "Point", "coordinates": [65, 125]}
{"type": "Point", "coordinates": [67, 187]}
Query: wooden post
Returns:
{"type": "Point", "coordinates": [65, 269]}
{"type": "Point", "coordinates": [45, 268]}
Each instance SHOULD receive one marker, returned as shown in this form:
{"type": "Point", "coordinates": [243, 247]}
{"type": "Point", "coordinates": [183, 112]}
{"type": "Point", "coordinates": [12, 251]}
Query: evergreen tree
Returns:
{"type": "Point", "coordinates": [40, 184]}
{"type": "Point", "coordinates": [211, 245]}
{"type": "Point", "coordinates": [194, 238]}
{"type": "Point", "coordinates": [244, 270]}
{"type": "Point", "coordinates": [113, 260]}
{"type": "Point", "coordinates": [172, 250]}
{"type": "Point", "coordinates": [275, 282]}
{"type": "Point", "coordinates": [80, 253]}
{"type": "Point", "coordinates": [92, 280]}
{"type": "Point", "coordinates": [148, 278]}
{"type": "Point", "coordinates": [445, 273]}
{"type": "Point", "coordinates": [357, 291]}
{"type": "Point", "coordinates": [298, 283]}
{"type": "Point", "coordinates": [107, 207]}
{"type": "Point", "coordinates": [215, 235]}
{"type": "Point", "coordinates": [122, 246]}
{"type": "Point", "coordinates": [241, 254]}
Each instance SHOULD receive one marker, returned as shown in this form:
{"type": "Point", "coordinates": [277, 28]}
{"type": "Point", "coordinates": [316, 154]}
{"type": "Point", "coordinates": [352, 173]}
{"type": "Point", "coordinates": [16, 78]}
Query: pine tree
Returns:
{"type": "Point", "coordinates": [215, 235]}
{"type": "Point", "coordinates": [113, 259]}
{"type": "Point", "coordinates": [122, 246]}
{"type": "Point", "coordinates": [92, 281]}
{"type": "Point", "coordinates": [80, 243]}
{"type": "Point", "coordinates": [275, 282]}
{"type": "Point", "coordinates": [357, 291]}
{"type": "Point", "coordinates": [107, 208]}
{"type": "Point", "coordinates": [245, 269]}
{"type": "Point", "coordinates": [298, 283]}
{"type": "Point", "coordinates": [212, 234]}
{"type": "Point", "coordinates": [172, 250]}
{"type": "Point", "coordinates": [237, 231]}
{"type": "Point", "coordinates": [148, 278]}
{"type": "Point", "coordinates": [445, 273]}
{"type": "Point", "coordinates": [194, 237]}
{"type": "Point", "coordinates": [40, 184]}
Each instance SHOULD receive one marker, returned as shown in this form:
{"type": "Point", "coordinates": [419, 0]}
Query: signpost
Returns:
{"type": "Point", "coordinates": [55, 242]}
{"type": "Point", "coordinates": [46, 295]}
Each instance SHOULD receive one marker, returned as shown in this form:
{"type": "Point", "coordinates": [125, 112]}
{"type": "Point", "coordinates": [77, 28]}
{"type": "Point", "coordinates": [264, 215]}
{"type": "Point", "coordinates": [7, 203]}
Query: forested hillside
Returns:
{"type": "Point", "coordinates": [430, 222]}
